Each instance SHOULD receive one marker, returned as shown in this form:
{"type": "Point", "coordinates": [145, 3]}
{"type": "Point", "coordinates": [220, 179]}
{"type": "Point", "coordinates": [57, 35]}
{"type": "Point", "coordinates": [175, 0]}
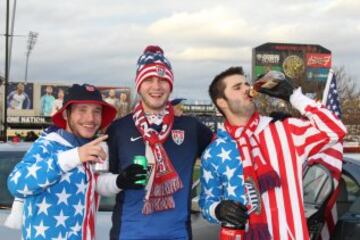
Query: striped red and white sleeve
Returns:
{"type": "Point", "coordinates": [318, 137]}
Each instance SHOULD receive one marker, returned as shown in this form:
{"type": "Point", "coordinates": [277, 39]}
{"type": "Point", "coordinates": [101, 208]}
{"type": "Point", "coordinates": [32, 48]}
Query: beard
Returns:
{"type": "Point", "coordinates": [238, 108]}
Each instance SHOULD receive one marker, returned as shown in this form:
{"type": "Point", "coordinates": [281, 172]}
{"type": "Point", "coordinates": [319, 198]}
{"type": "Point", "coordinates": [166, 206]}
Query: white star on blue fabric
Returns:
{"type": "Point", "coordinates": [32, 171]}
{"type": "Point", "coordinates": [208, 193]}
{"type": "Point", "coordinates": [15, 177]}
{"type": "Point", "coordinates": [75, 230]}
{"type": "Point", "coordinates": [38, 157]}
{"type": "Point", "coordinates": [59, 237]}
{"type": "Point", "coordinates": [60, 219]}
{"type": "Point", "coordinates": [66, 177]}
{"type": "Point", "coordinates": [207, 176]}
{"type": "Point", "coordinates": [25, 191]}
{"type": "Point", "coordinates": [224, 155]}
{"type": "Point", "coordinates": [229, 172]}
{"type": "Point", "coordinates": [28, 232]}
{"type": "Point", "coordinates": [43, 207]}
{"type": "Point", "coordinates": [79, 208]}
{"type": "Point", "coordinates": [44, 149]}
{"type": "Point", "coordinates": [81, 187]}
{"type": "Point", "coordinates": [207, 154]}
{"type": "Point", "coordinates": [219, 141]}
{"type": "Point", "coordinates": [231, 190]}
{"type": "Point", "coordinates": [40, 229]}
{"type": "Point", "coordinates": [29, 210]}
{"type": "Point", "coordinates": [81, 169]}
{"type": "Point", "coordinates": [215, 166]}
{"type": "Point", "coordinates": [63, 197]}
{"type": "Point", "coordinates": [49, 164]}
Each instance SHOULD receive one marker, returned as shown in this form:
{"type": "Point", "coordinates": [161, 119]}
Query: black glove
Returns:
{"type": "Point", "coordinates": [279, 116]}
{"type": "Point", "coordinates": [128, 177]}
{"type": "Point", "coordinates": [282, 90]}
{"type": "Point", "coordinates": [229, 211]}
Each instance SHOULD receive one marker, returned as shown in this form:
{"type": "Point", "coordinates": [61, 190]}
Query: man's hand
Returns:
{"type": "Point", "coordinates": [229, 211]}
{"type": "Point", "coordinates": [92, 151]}
{"type": "Point", "coordinates": [128, 177]}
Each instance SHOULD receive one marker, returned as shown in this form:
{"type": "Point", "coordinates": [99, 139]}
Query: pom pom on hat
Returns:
{"type": "Point", "coordinates": [153, 63]}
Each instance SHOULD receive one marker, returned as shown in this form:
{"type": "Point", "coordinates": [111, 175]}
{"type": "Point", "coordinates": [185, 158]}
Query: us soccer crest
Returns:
{"type": "Point", "coordinates": [178, 136]}
{"type": "Point", "coordinates": [160, 71]}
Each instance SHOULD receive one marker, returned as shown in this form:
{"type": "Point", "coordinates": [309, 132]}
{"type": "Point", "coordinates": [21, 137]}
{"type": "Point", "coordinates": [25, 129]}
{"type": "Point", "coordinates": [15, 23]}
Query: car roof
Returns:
{"type": "Point", "coordinates": [14, 147]}
{"type": "Point", "coordinates": [352, 165]}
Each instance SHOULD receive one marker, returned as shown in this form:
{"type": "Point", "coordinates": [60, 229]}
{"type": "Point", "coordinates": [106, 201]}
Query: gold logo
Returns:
{"type": "Point", "coordinates": [293, 66]}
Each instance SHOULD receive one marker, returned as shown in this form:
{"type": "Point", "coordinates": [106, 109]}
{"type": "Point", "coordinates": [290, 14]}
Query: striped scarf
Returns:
{"type": "Point", "coordinates": [258, 174]}
{"type": "Point", "coordinates": [164, 180]}
{"type": "Point", "coordinates": [92, 198]}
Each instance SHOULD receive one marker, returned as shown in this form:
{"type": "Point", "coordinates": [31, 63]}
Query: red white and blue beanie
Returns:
{"type": "Point", "coordinates": [153, 63]}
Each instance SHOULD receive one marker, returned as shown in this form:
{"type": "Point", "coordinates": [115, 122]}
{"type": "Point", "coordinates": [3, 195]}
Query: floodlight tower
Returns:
{"type": "Point", "coordinates": [31, 43]}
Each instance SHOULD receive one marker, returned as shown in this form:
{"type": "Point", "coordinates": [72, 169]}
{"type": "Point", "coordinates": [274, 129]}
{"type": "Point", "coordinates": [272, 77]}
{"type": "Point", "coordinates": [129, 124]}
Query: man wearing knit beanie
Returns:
{"type": "Point", "coordinates": [170, 144]}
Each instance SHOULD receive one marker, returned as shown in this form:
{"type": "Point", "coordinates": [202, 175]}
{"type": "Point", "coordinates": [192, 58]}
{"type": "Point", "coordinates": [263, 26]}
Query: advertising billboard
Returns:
{"type": "Point", "coordinates": [120, 98]}
{"type": "Point", "coordinates": [51, 98]}
{"type": "Point", "coordinates": [31, 105]}
{"type": "Point", "coordinates": [20, 96]}
{"type": "Point", "coordinates": [299, 62]}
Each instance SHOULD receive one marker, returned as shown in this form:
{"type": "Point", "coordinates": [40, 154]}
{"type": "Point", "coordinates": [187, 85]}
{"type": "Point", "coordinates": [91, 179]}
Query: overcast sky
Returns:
{"type": "Point", "coordinates": [99, 41]}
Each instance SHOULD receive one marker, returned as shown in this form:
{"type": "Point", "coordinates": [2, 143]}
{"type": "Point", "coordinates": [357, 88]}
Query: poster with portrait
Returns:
{"type": "Point", "coordinates": [119, 98]}
{"type": "Point", "coordinates": [51, 99]}
{"type": "Point", "coordinates": [20, 96]}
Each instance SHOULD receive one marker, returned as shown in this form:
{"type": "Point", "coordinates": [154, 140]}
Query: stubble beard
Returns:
{"type": "Point", "coordinates": [242, 110]}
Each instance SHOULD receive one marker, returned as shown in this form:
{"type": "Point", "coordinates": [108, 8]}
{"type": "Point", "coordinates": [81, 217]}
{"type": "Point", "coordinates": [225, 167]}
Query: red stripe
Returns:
{"type": "Point", "coordinates": [328, 214]}
{"type": "Point", "coordinates": [336, 173]}
{"type": "Point", "coordinates": [296, 175]}
{"type": "Point", "coordinates": [284, 184]}
{"type": "Point", "coordinates": [149, 69]}
{"type": "Point", "coordinates": [272, 197]}
{"type": "Point", "coordinates": [89, 217]}
{"type": "Point", "coordinates": [334, 153]}
{"type": "Point", "coordinates": [334, 126]}
{"type": "Point", "coordinates": [300, 131]}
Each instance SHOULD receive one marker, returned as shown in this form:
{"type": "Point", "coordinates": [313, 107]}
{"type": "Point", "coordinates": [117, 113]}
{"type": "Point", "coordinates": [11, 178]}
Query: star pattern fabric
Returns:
{"type": "Point", "coordinates": [54, 205]}
{"type": "Point", "coordinates": [220, 166]}
{"type": "Point", "coordinates": [332, 99]}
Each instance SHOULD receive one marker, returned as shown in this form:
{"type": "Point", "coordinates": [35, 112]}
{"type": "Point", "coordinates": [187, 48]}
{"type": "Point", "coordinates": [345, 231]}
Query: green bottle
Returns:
{"type": "Point", "coordinates": [141, 160]}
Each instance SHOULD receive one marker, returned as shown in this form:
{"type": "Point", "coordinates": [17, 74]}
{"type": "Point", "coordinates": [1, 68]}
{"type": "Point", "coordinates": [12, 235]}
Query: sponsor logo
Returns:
{"type": "Point", "coordinates": [178, 136]}
{"type": "Point", "coordinates": [318, 60]}
{"type": "Point", "coordinates": [267, 59]}
{"type": "Point", "coordinates": [293, 66]}
{"type": "Point", "coordinates": [133, 139]}
{"type": "Point", "coordinates": [160, 71]}
{"type": "Point", "coordinates": [90, 88]}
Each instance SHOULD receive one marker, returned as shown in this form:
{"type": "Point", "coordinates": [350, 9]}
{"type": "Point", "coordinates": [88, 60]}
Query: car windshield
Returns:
{"type": "Point", "coordinates": [7, 162]}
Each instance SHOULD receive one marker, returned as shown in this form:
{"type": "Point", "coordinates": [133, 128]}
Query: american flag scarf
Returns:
{"type": "Point", "coordinates": [164, 181]}
{"type": "Point", "coordinates": [257, 171]}
{"type": "Point", "coordinates": [91, 204]}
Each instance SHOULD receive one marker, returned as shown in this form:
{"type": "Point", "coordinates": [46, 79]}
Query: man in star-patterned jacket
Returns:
{"type": "Point", "coordinates": [56, 178]}
{"type": "Point", "coordinates": [252, 173]}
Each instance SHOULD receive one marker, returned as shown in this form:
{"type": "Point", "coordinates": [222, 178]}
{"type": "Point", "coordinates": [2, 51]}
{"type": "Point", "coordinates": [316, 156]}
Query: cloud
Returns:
{"type": "Point", "coordinates": [220, 54]}
{"type": "Point", "coordinates": [204, 26]}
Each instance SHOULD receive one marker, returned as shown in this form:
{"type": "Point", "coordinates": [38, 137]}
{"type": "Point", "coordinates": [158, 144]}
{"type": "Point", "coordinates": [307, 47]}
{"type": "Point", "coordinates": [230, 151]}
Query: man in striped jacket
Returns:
{"type": "Point", "coordinates": [252, 172]}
